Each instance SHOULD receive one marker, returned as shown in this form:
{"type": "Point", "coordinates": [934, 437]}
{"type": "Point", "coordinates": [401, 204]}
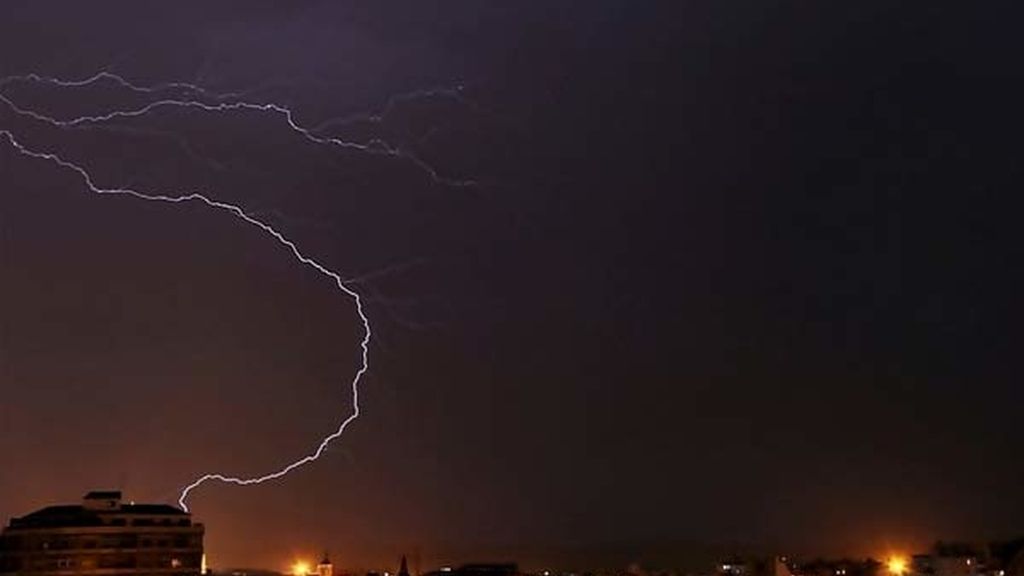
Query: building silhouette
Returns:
{"type": "Point", "coordinates": [325, 568]}
{"type": "Point", "coordinates": [103, 537]}
{"type": "Point", "coordinates": [492, 569]}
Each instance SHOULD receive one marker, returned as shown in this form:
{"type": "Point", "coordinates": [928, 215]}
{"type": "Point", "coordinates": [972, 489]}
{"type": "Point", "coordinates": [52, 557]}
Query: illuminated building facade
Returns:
{"type": "Point", "coordinates": [325, 568]}
{"type": "Point", "coordinates": [103, 537]}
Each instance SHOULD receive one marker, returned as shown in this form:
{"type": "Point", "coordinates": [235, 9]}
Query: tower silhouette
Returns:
{"type": "Point", "coordinates": [325, 568]}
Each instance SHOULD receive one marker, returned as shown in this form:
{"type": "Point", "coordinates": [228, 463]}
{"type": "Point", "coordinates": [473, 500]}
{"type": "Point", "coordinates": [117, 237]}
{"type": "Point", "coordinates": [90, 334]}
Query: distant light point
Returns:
{"type": "Point", "coordinates": [897, 565]}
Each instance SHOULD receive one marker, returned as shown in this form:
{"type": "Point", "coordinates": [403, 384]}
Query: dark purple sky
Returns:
{"type": "Point", "coordinates": [732, 274]}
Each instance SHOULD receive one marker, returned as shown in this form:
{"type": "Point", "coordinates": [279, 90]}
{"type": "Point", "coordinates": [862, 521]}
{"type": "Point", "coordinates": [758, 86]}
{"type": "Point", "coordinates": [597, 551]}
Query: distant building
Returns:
{"type": "Point", "coordinates": [1015, 566]}
{"type": "Point", "coordinates": [103, 537]}
{"type": "Point", "coordinates": [840, 567]}
{"type": "Point", "coordinates": [325, 568]}
{"type": "Point", "coordinates": [504, 569]}
{"type": "Point", "coordinates": [1009, 557]}
{"type": "Point", "coordinates": [955, 558]}
{"type": "Point", "coordinates": [734, 567]}
{"type": "Point", "coordinates": [755, 567]}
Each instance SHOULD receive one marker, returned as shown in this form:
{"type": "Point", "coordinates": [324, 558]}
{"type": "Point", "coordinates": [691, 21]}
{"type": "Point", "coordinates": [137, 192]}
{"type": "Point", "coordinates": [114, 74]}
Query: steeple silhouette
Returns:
{"type": "Point", "coordinates": [325, 568]}
{"type": "Point", "coordinates": [404, 570]}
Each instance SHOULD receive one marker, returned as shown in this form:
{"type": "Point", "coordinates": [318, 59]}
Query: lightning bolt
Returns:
{"type": "Point", "coordinates": [453, 92]}
{"type": "Point", "coordinates": [236, 211]}
{"type": "Point", "coordinates": [239, 213]}
{"type": "Point", "coordinates": [375, 146]}
{"type": "Point", "coordinates": [119, 80]}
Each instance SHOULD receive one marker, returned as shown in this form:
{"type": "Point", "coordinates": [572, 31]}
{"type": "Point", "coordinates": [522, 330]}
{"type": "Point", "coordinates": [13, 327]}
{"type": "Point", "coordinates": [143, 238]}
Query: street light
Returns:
{"type": "Point", "coordinates": [897, 565]}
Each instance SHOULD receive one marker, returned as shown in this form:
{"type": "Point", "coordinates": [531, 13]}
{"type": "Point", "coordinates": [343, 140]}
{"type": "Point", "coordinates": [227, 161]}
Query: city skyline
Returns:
{"type": "Point", "coordinates": [106, 533]}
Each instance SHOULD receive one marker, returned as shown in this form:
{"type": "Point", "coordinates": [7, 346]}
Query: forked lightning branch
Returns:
{"type": "Point", "coordinates": [232, 210]}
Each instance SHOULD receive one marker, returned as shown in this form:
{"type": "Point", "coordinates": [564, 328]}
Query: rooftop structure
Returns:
{"type": "Point", "coordinates": [102, 536]}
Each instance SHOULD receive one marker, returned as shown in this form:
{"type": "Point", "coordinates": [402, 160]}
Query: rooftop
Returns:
{"type": "Point", "coordinates": [89, 514]}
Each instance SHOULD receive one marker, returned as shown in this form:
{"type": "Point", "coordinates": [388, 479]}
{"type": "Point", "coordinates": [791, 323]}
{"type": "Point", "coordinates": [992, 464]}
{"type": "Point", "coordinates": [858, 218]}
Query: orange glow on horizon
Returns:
{"type": "Point", "coordinates": [897, 565]}
{"type": "Point", "coordinates": [300, 568]}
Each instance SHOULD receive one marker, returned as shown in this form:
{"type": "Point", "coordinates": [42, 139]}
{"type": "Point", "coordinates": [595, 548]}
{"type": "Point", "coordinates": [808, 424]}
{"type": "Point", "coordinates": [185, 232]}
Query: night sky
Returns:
{"type": "Point", "coordinates": [729, 274]}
